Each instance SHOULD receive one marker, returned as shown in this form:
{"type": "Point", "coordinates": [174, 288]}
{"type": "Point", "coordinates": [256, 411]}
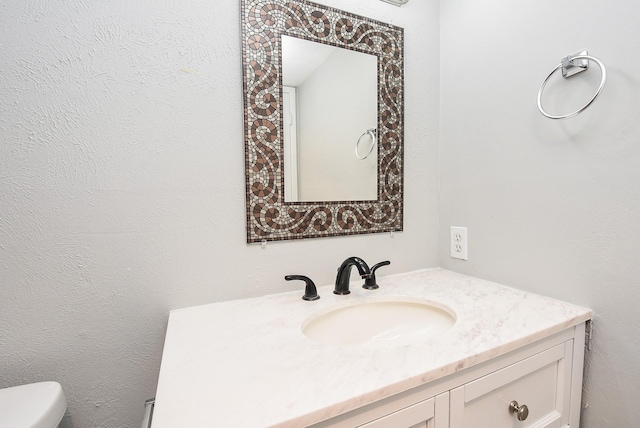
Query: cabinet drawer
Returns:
{"type": "Point", "coordinates": [416, 416]}
{"type": "Point", "coordinates": [541, 382]}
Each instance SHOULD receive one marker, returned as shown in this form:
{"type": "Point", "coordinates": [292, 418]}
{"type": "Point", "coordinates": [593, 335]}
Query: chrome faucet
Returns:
{"type": "Point", "coordinates": [344, 273]}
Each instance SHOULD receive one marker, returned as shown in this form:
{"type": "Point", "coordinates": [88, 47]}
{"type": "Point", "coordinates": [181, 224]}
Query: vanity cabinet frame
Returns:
{"type": "Point", "coordinates": [441, 402]}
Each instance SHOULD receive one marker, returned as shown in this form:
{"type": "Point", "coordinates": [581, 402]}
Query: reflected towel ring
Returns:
{"type": "Point", "coordinates": [567, 64]}
{"type": "Point", "coordinates": [373, 132]}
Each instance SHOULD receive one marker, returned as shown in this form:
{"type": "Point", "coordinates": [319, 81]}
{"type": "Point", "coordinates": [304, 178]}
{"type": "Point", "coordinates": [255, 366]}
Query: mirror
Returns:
{"type": "Point", "coordinates": [329, 101]}
{"type": "Point", "coordinates": [303, 175]}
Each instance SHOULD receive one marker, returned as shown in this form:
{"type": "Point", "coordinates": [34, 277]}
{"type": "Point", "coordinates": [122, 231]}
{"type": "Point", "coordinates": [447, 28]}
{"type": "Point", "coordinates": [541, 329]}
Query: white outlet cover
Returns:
{"type": "Point", "coordinates": [459, 248]}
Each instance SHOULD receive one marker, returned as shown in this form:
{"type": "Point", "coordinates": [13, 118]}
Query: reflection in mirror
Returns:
{"type": "Point", "coordinates": [329, 102]}
{"type": "Point", "coordinates": [278, 208]}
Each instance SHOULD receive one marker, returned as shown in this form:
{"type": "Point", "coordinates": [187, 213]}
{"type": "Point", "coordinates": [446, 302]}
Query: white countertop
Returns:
{"type": "Point", "coordinates": [246, 363]}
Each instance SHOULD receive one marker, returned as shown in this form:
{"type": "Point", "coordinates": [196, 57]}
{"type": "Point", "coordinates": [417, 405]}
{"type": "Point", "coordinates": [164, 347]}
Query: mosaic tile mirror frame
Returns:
{"type": "Point", "coordinates": [269, 217]}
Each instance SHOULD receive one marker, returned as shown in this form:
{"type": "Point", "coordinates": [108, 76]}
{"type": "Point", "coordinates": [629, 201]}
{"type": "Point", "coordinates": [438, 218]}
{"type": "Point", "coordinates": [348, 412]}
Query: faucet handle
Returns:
{"type": "Point", "coordinates": [310, 291]}
{"type": "Point", "coordinates": [370, 282]}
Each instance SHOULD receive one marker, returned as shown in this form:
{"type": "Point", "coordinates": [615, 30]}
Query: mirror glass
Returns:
{"type": "Point", "coordinates": [329, 101]}
{"type": "Point", "coordinates": [317, 187]}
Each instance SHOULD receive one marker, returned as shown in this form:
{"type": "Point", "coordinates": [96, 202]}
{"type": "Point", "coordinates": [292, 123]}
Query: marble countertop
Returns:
{"type": "Point", "coordinates": [246, 363]}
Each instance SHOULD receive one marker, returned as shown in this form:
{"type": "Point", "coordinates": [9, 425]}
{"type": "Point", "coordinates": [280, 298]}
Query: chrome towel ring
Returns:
{"type": "Point", "coordinates": [373, 132]}
{"type": "Point", "coordinates": [572, 65]}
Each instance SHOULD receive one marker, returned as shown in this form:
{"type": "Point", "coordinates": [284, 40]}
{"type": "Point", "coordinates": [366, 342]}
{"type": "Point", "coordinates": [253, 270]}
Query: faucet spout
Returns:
{"type": "Point", "coordinates": [344, 274]}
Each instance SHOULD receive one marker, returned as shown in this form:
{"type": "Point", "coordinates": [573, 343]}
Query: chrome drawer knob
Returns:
{"type": "Point", "coordinates": [521, 412]}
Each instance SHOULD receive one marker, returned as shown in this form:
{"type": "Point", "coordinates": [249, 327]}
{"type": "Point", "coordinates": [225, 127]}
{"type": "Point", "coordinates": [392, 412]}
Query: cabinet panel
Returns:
{"type": "Point", "coordinates": [541, 382]}
{"type": "Point", "coordinates": [416, 416]}
{"type": "Point", "coordinates": [431, 413]}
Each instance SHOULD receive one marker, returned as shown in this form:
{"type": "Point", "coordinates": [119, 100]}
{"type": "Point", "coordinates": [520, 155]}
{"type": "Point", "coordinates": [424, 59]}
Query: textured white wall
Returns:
{"type": "Point", "coordinates": [551, 206]}
{"type": "Point", "coordinates": [122, 187]}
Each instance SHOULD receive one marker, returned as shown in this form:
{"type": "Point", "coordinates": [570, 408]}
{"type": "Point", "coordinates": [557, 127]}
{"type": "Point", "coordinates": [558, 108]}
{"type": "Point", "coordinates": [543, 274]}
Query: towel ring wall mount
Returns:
{"type": "Point", "coordinates": [572, 65]}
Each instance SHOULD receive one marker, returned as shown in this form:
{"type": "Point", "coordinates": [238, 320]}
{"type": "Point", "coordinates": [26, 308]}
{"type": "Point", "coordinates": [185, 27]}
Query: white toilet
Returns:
{"type": "Point", "coordinates": [36, 405]}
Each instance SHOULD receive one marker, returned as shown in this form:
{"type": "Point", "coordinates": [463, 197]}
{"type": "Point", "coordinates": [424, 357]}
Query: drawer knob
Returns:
{"type": "Point", "coordinates": [521, 412]}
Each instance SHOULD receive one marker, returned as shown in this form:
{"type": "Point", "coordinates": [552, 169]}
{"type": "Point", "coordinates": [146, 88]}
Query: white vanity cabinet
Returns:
{"type": "Point", "coordinates": [247, 363]}
{"type": "Point", "coordinates": [544, 379]}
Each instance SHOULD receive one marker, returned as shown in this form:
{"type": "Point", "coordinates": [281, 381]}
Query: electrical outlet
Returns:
{"type": "Point", "coordinates": [459, 242]}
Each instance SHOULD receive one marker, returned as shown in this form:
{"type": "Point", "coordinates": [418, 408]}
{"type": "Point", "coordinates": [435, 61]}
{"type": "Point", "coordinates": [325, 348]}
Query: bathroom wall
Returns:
{"type": "Point", "coordinates": [122, 187]}
{"type": "Point", "coordinates": [551, 206]}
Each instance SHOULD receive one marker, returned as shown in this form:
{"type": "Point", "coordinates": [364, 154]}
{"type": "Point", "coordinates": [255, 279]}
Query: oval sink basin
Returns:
{"type": "Point", "coordinates": [379, 323]}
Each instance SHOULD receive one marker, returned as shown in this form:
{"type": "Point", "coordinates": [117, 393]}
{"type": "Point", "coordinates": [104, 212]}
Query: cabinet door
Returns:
{"type": "Point", "coordinates": [419, 415]}
{"type": "Point", "coordinates": [541, 382]}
